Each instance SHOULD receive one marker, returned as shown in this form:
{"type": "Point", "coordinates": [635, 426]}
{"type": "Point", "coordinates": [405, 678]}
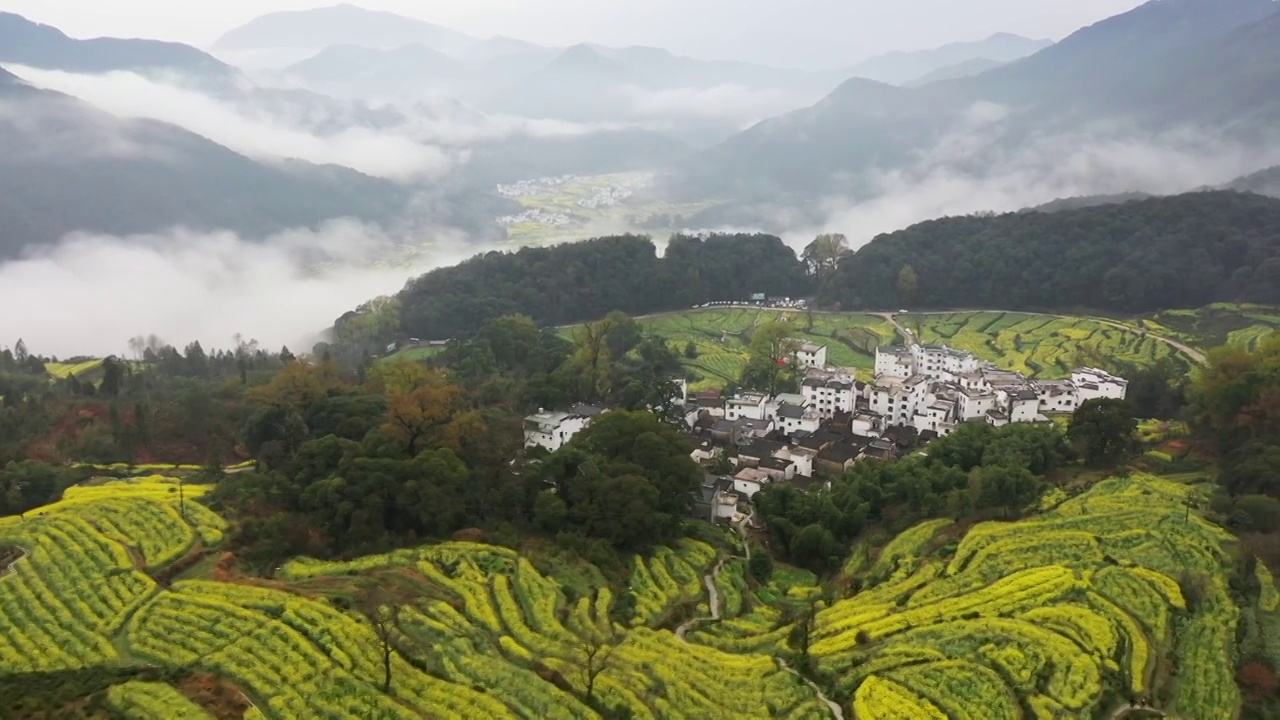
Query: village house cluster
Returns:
{"type": "Point", "coordinates": [919, 393]}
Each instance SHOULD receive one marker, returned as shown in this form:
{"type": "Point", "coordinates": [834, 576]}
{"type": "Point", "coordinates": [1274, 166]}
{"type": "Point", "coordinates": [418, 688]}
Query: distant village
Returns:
{"type": "Point", "coordinates": [920, 393]}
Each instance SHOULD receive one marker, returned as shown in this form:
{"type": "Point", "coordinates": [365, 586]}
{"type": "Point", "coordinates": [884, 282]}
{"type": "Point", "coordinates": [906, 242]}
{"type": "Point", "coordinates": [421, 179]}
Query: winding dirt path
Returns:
{"type": "Point", "coordinates": [714, 601]}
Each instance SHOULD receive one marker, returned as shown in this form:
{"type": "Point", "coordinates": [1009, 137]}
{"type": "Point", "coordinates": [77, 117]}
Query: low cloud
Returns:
{"type": "Point", "coordinates": [258, 135]}
{"type": "Point", "coordinates": [974, 169]}
{"type": "Point", "coordinates": [729, 103]}
{"type": "Point", "coordinates": [184, 286]}
{"type": "Point", "coordinates": [423, 141]}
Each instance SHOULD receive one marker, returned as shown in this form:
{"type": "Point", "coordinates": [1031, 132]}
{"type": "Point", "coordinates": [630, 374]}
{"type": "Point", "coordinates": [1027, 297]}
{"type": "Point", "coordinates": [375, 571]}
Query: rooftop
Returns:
{"type": "Point", "coordinates": [792, 412]}
{"type": "Point", "coordinates": [548, 420]}
{"type": "Point", "coordinates": [585, 410]}
{"type": "Point", "coordinates": [774, 463]}
{"type": "Point", "coordinates": [840, 453]}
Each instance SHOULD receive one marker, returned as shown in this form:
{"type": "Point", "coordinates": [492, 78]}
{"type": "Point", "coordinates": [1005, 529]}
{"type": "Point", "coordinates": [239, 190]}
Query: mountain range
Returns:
{"type": "Point", "coordinates": [1199, 70]}
{"type": "Point", "coordinates": [69, 167]}
{"type": "Point", "coordinates": [904, 68]}
{"type": "Point", "coordinates": [27, 43]}
{"type": "Point", "coordinates": [363, 54]}
{"type": "Point", "coordinates": [1166, 66]}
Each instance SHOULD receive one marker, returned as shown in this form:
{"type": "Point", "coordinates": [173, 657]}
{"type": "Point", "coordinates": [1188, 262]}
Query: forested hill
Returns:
{"type": "Point", "coordinates": [587, 280]}
{"type": "Point", "coordinates": [1168, 252]}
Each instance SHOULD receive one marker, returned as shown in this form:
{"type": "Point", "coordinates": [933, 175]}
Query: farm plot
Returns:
{"type": "Point", "coordinates": [1039, 346]}
{"type": "Point", "coordinates": [1050, 613]}
{"type": "Point", "coordinates": [721, 337]}
{"type": "Point", "coordinates": [490, 637]}
{"type": "Point", "coordinates": [1239, 326]}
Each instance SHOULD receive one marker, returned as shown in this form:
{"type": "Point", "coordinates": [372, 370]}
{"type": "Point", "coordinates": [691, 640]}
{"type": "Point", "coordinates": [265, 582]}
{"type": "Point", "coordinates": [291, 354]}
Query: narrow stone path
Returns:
{"type": "Point", "coordinates": [714, 602]}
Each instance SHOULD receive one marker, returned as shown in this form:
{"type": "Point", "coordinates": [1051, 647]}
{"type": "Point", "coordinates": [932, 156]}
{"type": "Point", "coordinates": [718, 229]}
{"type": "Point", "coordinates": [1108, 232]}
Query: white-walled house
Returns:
{"type": "Point", "coordinates": [943, 387]}
{"type": "Point", "coordinates": [867, 423]}
{"type": "Point", "coordinates": [746, 405]}
{"type": "Point", "coordinates": [811, 355]}
{"type": "Point", "coordinates": [748, 481]}
{"type": "Point", "coordinates": [777, 402]}
{"type": "Point", "coordinates": [793, 419]}
{"type": "Point", "coordinates": [552, 430]}
{"type": "Point", "coordinates": [1093, 384]}
{"type": "Point", "coordinates": [939, 362]}
{"type": "Point", "coordinates": [895, 361]}
{"type": "Point", "coordinates": [829, 393]}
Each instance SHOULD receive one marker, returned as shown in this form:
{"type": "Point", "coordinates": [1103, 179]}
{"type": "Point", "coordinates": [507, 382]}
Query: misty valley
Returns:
{"type": "Point", "coordinates": [622, 361]}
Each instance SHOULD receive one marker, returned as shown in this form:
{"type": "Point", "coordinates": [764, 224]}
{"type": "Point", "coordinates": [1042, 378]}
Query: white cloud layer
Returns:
{"type": "Point", "coordinates": [1102, 160]}
{"type": "Point", "coordinates": [185, 286]}
{"type": "Point", "coordinates": [130, 95]}
{"type": "Point", "coordinates": [733, 103]}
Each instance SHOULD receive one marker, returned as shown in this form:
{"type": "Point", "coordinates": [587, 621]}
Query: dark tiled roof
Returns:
{"type": "Point", "coordinates": [794, 412]}
{"type": "Point", "coordinates": [840, 453]}
{"type": "Point", "coordinates": [585, 410]}
{"type": "Point", "coordinates": [775, 463]}
{"type": "Point", "coordinates": [761, 449]}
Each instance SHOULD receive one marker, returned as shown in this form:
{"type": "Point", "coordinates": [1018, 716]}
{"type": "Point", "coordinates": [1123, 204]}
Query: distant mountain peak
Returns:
{"type": "Point", "coordinates": [343, 23]}
{"type": "Point", "coordinates": [26, 42]}
{"type": "Point", "coordinates": [902, 67]}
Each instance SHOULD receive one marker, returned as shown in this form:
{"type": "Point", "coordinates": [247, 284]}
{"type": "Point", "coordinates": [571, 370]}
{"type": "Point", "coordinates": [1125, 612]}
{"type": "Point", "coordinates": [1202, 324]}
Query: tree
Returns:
{"type": "Point", "coordinates": [813, 547]}
{"type": "Point", "coordinates": [760, 566]}
{"type": "Point", "coordinates": [822, 256]}
{"type": "Point", "coordinates": [691, 350]}
{"type": "Point", "coordinates": [379, 607]}
{"type": "Point", "coordinates": [908, 283]}
{"type": "Point", "coordinates": [594, 653]}
{"type": "Point", "coordinates": [770, 355]}
{"type": "Point", "coordinates": [112, 376]}
{"type": "Point", "coordinates": [413, 416]}
{"type": "Point", "coordinates": [1103, 431]}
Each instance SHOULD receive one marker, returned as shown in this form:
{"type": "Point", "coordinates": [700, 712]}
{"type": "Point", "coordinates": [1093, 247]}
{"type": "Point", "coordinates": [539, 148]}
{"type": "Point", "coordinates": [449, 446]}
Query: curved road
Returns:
{"type": "Point", "coordinates": [908, 337]}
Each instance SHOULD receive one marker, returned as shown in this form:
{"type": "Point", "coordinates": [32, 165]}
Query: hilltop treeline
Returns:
{"type": "Point", "coordinates": [1169, 252]}
{"type": "Point", "coordinates": [587, 280]}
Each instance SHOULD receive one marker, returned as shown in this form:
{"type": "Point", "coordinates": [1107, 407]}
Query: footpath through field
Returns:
{"type": "Point", "coordinates": [714, 602]}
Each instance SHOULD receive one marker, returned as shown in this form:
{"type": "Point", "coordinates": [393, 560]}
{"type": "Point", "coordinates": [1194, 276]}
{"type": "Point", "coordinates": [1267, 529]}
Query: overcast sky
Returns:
{"type": "Point", "coordinates": [792, 32]}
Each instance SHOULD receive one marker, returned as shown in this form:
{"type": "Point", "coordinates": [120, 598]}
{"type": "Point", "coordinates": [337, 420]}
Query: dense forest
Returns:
{"type": "Point", "coordinates": [1169, 252]}
{"type": "Point", "coordinates": [584, 281]}
{"type": "Point", "coordinates": [1147, 254]}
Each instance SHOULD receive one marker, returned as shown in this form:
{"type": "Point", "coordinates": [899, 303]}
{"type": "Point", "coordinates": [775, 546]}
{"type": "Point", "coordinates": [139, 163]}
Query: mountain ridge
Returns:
{"type": "Point", "coordinates": [25, 42]}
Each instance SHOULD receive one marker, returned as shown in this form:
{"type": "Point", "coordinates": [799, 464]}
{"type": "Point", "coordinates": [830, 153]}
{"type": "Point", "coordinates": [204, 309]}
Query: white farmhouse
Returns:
{"type": "Point", "coordinates": [794, 419]}
{"type": "Point", "coordinates": [895, 362]}
{"type": "Point", "coordinates": [553, 430]}
{"type": "Point", "coordinates": [829, 392]}
{"type": "Point", "coordinates": [935, 388]}
{"type": "Point", "coordinates": [811, 355]}
{"type": "Point", "coordinates": [746, 405]}
{"type": "Point", "coordinates": [1093, 384]}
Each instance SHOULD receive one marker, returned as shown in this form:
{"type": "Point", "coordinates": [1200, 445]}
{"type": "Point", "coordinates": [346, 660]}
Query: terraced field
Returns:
{"type": "Point", "coordinates": [62, 371]}
{"type": "Point", "coordinates": [1241, 326]}
{"type": "Point", "coordinates": [1057, 616]}
{"type": "Point", "coordinates": [722, 336]}
{"type": "Point", "coordinates": [1039, 346]}
{"type": "Point", "coordinates": [1055, 613]}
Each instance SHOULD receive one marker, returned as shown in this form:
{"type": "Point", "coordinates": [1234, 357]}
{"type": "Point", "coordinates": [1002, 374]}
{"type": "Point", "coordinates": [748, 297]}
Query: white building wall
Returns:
{"type": "Point", "coordinates": [814, 358]}
{"type": "Point", "coordinates": [891, 363]}
{"type": "Point", "coordinates": [1021, 411]}
{"type": "Point", "coordinates": [747, 488]}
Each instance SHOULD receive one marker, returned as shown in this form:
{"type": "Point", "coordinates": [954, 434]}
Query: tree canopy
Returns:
{"type": "Point", "coordinates": [584, 281]}
{"type": "Point", "coordinates": [1166, 252]}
